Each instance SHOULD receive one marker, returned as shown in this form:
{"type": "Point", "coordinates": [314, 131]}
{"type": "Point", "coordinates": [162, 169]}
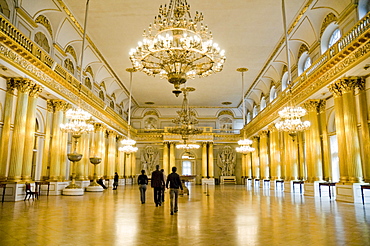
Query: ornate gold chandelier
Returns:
{"type": "Point", "coordinates": [186, 120]}
{"type": "Point", "coordinates": [291, 115]}
{"type": "Point", "coordinates": [291, 120]}
{"type": "Point", "coordinates": [245, 143]}
{"type": "Point", "coordinates": [177, 47]}
{"type": "Point", "coordinates": [128, 143]}
{"type": "Point", "coordinates": [78, 122]}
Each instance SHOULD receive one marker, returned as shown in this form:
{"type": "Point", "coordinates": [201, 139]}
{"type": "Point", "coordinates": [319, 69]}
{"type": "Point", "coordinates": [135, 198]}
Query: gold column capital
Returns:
{"type": "Point", "coordinates": [348, 84]}
{"type": "Point", "coordinates": [312, 105]}
{"type": "Point", "coordinates": [256, 138]}
{"type": "Point", "coordinates": [272, 127]}
{"type": "Point", "coordinates": [322, 106]}
{"type": "Point", "coordinates": [111, 133]}
{"type": "Point", "coordinates": [35, 90]}
{"type": "Point", "coordinates": [263, 133]}
{"type": "Point", "coordinates": [99, 126]}
{"type": "Point", "coordinates": [335, 90]}
{"type": "Point", "coordinates": [60, 105]}
{"type": "Point", "coordinates": [11, 85]}
{"type": "Point", "coordinates": [49, 106]}
{"type": "Point", "coordinates": [24, 85]}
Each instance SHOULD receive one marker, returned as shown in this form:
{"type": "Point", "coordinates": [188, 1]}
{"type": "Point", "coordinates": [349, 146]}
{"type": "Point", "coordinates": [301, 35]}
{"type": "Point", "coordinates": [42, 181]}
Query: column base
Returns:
{"type": "Point", "coordinates": [227, 180]}
{"type": "Point", "coordinates": [277, 185]}
{"type": "Point", "coordinates": [73, 192]}
{"type": "Point", "coordinates": [209, 181]}
{"type": "Point", "coordinates": [94, 188]}
{"type": "Point", "coordinates": [351, 193]}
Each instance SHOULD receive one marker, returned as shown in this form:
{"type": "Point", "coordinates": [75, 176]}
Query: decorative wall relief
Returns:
{"type": "Point", "coordinates": [149, 159]}
{"type": "Point", "coordinates": [226, 161]}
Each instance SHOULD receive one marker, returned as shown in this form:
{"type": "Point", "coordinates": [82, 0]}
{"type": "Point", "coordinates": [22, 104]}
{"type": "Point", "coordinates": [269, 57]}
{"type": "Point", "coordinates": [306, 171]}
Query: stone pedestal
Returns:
{"type": "Point", "coordinates": [97, 188]}
{"type": "Point", "coordinates": [73, 192]}
{"type": "Point", "coordinates": [209, 181]}
{"type": "Point", "coordinates": [351, 193]}
{"type": "Point", "coordinates": [277, 185]}
{"type": "Point", "coordinates": [227, 180]}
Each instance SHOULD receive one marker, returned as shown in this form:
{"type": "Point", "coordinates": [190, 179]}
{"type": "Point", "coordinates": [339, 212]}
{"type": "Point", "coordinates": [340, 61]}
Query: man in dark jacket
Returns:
{"type": "Point", "coordinates": [157, 182]}
{"type": "Point", "coordinates": [175, 184]}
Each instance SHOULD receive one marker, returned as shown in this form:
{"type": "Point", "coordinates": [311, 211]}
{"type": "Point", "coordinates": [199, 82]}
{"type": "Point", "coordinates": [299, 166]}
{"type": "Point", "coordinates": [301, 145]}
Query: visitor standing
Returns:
{"type": "Point", "coordinates": [156, 183]}
{"type": "Point", "coordinates": [115, 182]}
{"type": "Point", "coordinates": [142, 180]}
{"type": "Point", "coordinates": [175, 184]}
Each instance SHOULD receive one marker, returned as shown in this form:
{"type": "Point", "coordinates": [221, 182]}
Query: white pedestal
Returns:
{"type": "Point", "coordinates": [351, 193]}
{"type": "Point", "coordinates": [73, 192]}
{"type": "Point", "coordinates": [94, 188]}
{"type": "Point", "coordinates": [266, 183]}
{"type": "Point", "coordinates": [209, 181]}
{"type": "Point", "coordinates": [227, 180]}
{"type": "Point", "coordinates": [256, 183]}
{"type": "Point", "coordinates": [83, 184]}
{"type": "Point", "coordinates": [277, 185]}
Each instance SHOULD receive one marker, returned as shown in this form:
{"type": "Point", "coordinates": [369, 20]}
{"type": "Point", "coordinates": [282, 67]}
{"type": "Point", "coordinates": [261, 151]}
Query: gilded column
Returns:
{"type": "Point", "coordinates": [172, 155]}
{"type": "Point", "coordinates": [5, 135]}
{"type": "Point", "coordinates": [128, 165]}
{"type": "Point", "coordinates": [30, 132]}
{"type": "Point", "coordinates": [255, 158]}
{"type": "Point", "coordinates": [264, 155]}
{"type": "Point", "coordinates": [244, 168]}
{"type": "Point", "coordinates": [19, 132]}
{"type": "Point", "coordinates": [64, 144]}
{"type": "Point", "coordinates": [47, 140]}
{"type": "Point", "coordinates": [82, 148]}
{"type": "Point", "coordinates": [248, 162]}
{"type": "Point", "coordinates": [120, 160]}
{"type": "Point", "coordinates": [325, 142]}
{"type": "Point", "coordinates": [166, 165]}
{"type": "Point", "coordinates": [211, 172]}
{"type": "Point", "coordinates": [111, 161]}
{"type": "Point", "coordinates": [339, 126]}
{"type": "Point", "coordinates": [348, 86]}
{"type": "Point", "coordinates": [100, 147]}
{"type": "Point", "coordinates": [314, 148]}
{"type": "Point", "coordinates": [363, 110]}
{"type": "Point", "coordinates": [204, 160]}
{"type": "Point", "coordinates": [55, 148]}
{"type": "Point", "coordinates": [133, 165]}
{"type": "Point", "coordinates": [288, 158]}
{"type": "Point", "coordinates": [275, 164]}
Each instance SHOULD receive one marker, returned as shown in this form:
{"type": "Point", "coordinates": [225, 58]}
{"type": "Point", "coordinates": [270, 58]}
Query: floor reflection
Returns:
{"type": "Point", "coordinates": [218, 215]}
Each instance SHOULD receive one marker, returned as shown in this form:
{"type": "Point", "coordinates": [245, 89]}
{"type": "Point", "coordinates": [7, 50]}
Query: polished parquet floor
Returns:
{"type": "Point", "coordinates": [225, 215]}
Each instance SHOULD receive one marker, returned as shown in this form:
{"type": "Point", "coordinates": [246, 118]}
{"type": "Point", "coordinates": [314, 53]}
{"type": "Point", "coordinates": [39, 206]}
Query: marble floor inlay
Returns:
{"type": "Point", "coordinates": [225, 215]}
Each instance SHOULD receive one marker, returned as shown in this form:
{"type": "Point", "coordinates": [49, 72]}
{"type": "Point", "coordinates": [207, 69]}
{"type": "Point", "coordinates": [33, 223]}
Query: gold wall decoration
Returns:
{"type": "Point", "coordinates": [328, 19]}
{"type": "Point", "coordinates": [41, 19]}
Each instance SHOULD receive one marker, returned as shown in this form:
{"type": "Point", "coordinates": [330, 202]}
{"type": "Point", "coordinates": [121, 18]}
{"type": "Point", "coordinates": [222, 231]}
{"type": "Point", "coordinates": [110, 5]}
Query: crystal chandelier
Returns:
{"type": "Point", "coordinates": [128, 143]}
{"type": "Point", "coordinates": [78, 122]}
{"type": "Point", "coordinates": [245, 143]}
{"type": "Point", "coordinates": [291, 120]}
{"type": "Point", "coordinates": [177, 46]}
{"type": "Point", "coordinates": [291, 115]}
{"type": "Point", "coordinates": [186, 119]}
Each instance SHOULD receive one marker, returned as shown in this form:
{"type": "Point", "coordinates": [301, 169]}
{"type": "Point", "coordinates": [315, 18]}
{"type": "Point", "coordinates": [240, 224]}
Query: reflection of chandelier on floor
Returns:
{"type": "Point", "coordinates": [177, 47]}
{"type": "Point", "coordinates": [291, 115]}
{"type": "Point", "coordinates": [128, 143]}
{"type": "Point", "coordinates": [245, 143]}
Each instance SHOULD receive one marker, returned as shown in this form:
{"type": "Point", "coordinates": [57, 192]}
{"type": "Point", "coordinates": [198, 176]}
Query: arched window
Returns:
{"type": "Point", "coordinates": [363, 8]}
{"type": "Point", "coordinates": [4, 8]}
{"type": "Point", "coordinates": [273, 93]}
{"type": "Point", "coordinates": [304, 62]}
{"type": "Point", "coordinates": [42, 41]}
{"type": "Point", "coordinates": [101, 95]}
{"type": "Point", "coordinates": [68, 64]}
{"type": "Point", "coordinates": [263, 103]}
{"type": "Point", "coordinates": [88, 83]}
{"type": "Point", "coordinates": [226, 123]}
{"type": "Point", "coordinates": [335, 36]}
{"type": "Point", "coordinates": [111, 104]}
{"type": "Point", "coordinates": [255, 111]}
{"type": "Point", "coordinates": [284, 81]}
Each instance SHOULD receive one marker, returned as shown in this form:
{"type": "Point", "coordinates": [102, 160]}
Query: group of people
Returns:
{"type": "Point", "coordinates": [159, 182]}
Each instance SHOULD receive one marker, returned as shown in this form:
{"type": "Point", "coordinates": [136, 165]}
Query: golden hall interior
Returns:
{"type": "Point", "coordinates": [263, 107]}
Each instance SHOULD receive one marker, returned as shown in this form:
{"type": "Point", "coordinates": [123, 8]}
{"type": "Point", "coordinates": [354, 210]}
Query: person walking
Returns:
{"type": "Point", "coordinates": [156, 183]}
{"type": "Point", "coordinates": [115, 183]}
{"type": "Point", "coordinates": [175, 183]}
{"type": "Point", "coordinates": [142, 180]}
{"type": "Point", "coordinates": [163, 186]}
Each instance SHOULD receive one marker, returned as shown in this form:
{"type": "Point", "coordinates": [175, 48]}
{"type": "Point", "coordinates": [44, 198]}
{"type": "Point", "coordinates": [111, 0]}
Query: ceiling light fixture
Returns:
{"type": "Point", "coordinates": [291, 115]}
{"type": "Point", "coordinates": [245, 143]}
{"type": "Point", "coordinates": [177, 47]}
{"type": "Point", "coordinates": [128, 143]}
